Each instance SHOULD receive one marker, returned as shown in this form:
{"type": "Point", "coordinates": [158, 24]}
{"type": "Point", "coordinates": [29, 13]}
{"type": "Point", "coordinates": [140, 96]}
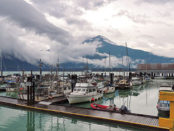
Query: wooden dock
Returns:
{"type": "Point", "coordinates": [142, 121]}
{"type": "Point", "coordinates": [54, 100]}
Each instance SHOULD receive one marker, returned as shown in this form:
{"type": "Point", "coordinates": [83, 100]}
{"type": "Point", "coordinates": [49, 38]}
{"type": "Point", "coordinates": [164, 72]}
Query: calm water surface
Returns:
{"type": "Point", "coordinates": [24, 120]}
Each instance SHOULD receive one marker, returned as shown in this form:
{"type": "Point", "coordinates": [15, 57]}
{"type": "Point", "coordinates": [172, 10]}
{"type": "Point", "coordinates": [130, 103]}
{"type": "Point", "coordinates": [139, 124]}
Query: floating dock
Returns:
{"type": "Point", "coordinates": [142, 121]}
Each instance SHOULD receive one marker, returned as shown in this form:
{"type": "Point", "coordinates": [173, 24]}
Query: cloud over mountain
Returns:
{"type": "Point", "coordinates": [48, 29]}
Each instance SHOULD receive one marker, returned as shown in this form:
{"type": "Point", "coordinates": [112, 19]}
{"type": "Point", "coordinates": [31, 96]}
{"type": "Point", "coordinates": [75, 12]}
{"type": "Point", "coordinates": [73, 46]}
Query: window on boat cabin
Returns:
{"type": "Point", "coordinates": [78, 89]}
{"type": "Point", "coordinates": [93, 89]}
{"type": "Point", "coordinates": [74, 89]}
{"type": "Point", "coordinates": [90, 90]}
{"type": "Point", "coordinates": [164, 103]}
{"type": "Point", "coordinates": [83, 90]}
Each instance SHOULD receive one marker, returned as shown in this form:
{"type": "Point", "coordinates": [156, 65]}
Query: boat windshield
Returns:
{"type": "Point", "coordinates": [79, 90]}
{"type": "Point", "coordinates": [164, 103]}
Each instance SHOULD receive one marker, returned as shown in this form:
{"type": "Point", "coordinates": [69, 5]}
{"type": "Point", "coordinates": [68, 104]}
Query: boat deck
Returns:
{"type": "Point", "coordinates": [143, 121]}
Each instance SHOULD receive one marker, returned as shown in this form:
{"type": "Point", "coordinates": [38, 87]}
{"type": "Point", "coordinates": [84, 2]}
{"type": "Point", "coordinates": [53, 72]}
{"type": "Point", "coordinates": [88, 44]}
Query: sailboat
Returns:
{"type": "Point", "coordinates": [109, 88]}
{"type": "Point", "coordinates": [125, 82]}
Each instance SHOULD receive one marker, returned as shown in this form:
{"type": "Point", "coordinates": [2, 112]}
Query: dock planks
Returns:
{"type": "Point", "coordinates": [131, 119]}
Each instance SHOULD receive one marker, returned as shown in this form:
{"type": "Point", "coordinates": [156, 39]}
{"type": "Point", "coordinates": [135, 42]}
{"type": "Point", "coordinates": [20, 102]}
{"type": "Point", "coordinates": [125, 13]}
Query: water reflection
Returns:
{"type": "Point", "coordinates": [24, 120]}
{"type": "Point", "coordinates": [30, 121]}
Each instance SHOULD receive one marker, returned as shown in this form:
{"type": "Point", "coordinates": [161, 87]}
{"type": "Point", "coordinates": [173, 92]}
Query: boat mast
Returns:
{"type": "Point", "coordinates": [40, 66]}
{"type": "Point", "coordinates": [105, 65]}
{"type": "Point", "coordinates": [57, 68]}
{"type": "Point", "coordinates": [1, 65]}
{"type": "Point", "coordinates": [87, 68]}
{"type": "Point", "coordinates": [109, 62]}
{"type": "Point", "coordinates": [127, 55]}
{"type": "Point", "coordinates": [123, 68]}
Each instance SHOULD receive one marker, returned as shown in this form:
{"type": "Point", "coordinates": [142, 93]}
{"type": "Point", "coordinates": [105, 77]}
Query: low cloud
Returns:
{"type": "Point", "coordinates": [42, 29]}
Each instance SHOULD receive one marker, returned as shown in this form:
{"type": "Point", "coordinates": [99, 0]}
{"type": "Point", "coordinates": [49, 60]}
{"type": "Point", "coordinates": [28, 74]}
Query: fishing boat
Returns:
{"type": "Point", "coordinates": [146, 78]}
{"type": "Point", "coordinates": [108, 89]}
{"type": "Point", "coordinates": [124, 84]}
{"type": "Point", "coordinates": [84, 92]}
{"type": "Point", "coordinates": [3, 87]}
{"type": "Point", "coordinates": [136, 81]}
{"type": "Point", "coordinates": [67, 90]}
{"type": "Point", "coordinates": [11, 86]}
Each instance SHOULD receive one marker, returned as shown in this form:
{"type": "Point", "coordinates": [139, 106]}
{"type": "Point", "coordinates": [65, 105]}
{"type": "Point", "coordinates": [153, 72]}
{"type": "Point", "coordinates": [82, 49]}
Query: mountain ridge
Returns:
{"type": "Point", "coordinates": [105, 47]}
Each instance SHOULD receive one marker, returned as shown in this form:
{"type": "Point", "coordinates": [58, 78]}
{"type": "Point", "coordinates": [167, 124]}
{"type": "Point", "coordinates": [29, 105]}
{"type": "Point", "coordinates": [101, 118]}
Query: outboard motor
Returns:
{"type": "Point", "coordinates": [123, 109]}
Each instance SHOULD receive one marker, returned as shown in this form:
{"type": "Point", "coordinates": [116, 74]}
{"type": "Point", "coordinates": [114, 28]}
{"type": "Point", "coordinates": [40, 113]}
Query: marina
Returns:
{"type": "Point", "coordinates": [86, 65]}
{"type": "Point", "coordinates": [143, 117]}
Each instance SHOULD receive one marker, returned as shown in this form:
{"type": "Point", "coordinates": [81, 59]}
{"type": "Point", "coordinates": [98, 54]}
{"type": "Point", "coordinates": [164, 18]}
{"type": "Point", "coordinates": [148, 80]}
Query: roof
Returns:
{"type": "Point", "coordinates": [162, 66]}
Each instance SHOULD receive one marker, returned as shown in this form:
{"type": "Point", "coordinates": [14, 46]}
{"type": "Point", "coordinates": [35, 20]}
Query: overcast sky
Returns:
{"type": "Point", "coordinates": [48, 29]}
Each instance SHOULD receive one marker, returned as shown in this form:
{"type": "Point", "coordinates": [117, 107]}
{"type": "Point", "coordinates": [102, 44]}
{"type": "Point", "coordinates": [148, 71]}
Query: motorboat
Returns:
{"type": "Point", "coordinates": [146, 78]}
{"type": "Point", "coordinates": [3, 87]}
{"type": "Point", "coordinates": [11, 86]}
{"type": "Point", "coordinates": [136, 81]}
{"type": "Point", "coordinates": [67, 90]}
{"type": "Point", "coordinates": [124, 84]}
{"type": "Point", "coordinates": [108, 89]}
{"type": "Point", "coordinates": [84, 92]}
{"type": "Point", "coordinates": [112, 108]}
{"type": "Point", "coordinates": [104, 107]}
{"type": "Point", "coordinates": [162, 105]}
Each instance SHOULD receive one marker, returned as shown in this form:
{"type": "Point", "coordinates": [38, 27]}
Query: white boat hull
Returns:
{"type": "Point", "coordinates": [82, 98]}
{"type": "Point", "coordinates": [136, 83]}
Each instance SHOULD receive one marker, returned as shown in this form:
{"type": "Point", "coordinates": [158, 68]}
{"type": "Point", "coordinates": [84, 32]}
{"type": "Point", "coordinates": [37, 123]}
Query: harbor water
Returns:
{"type": "Point", "coordinates": [12, 119]}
